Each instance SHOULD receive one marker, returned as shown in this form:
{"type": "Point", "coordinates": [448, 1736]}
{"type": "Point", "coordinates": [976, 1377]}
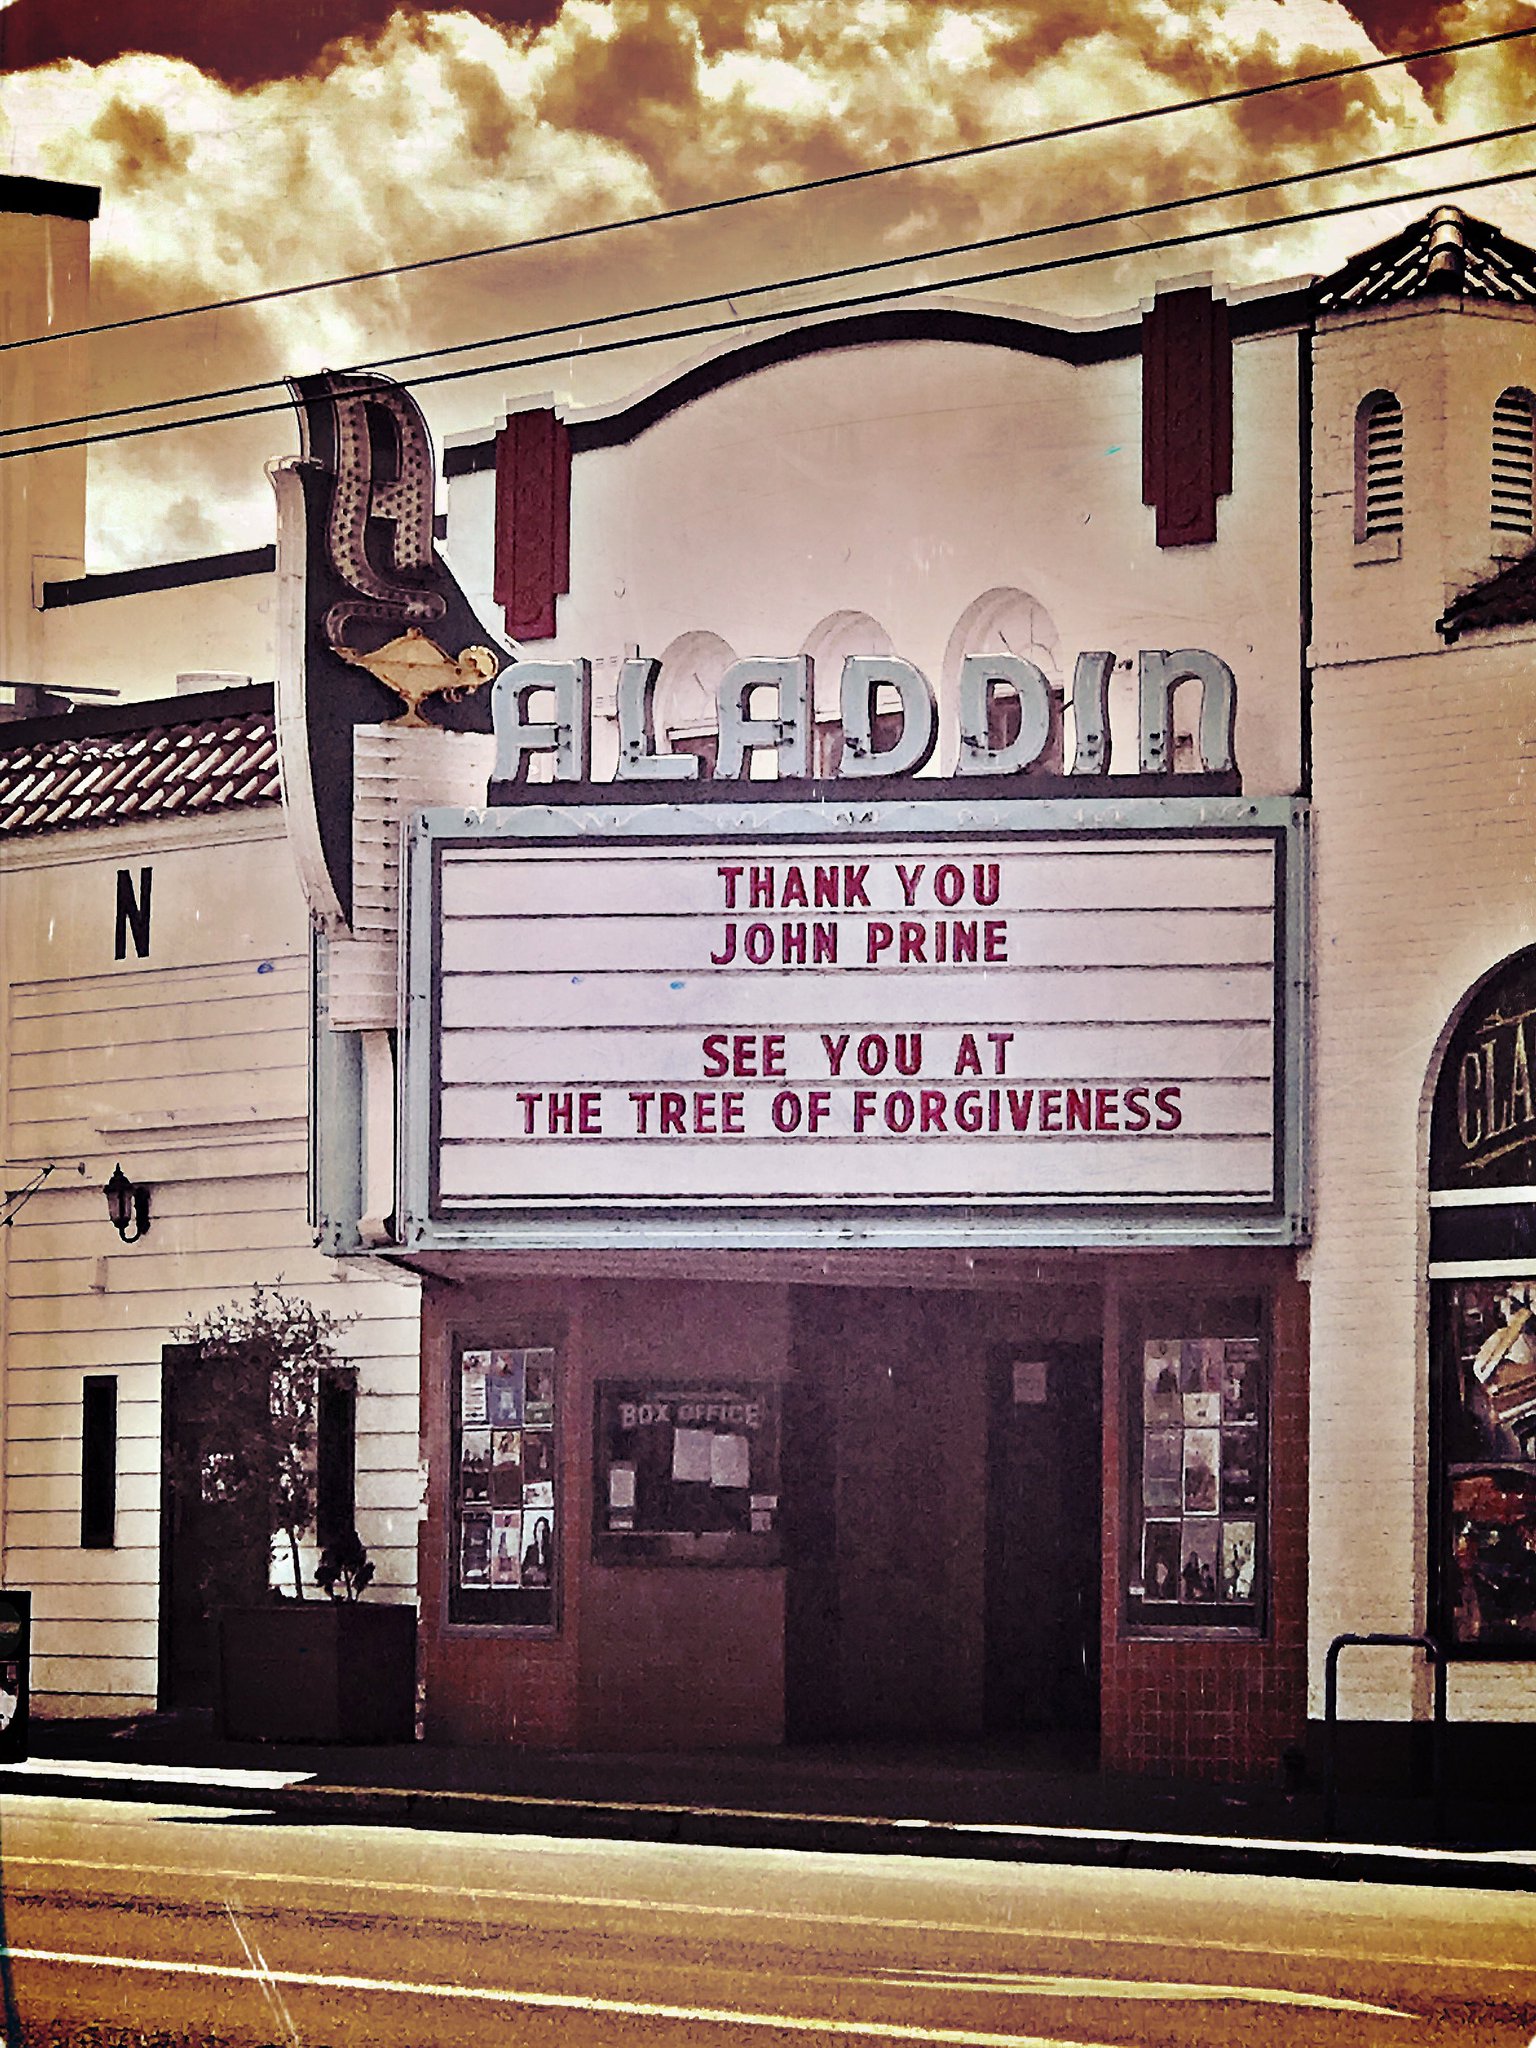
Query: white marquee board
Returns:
{"type": "Point", "coordinates": [761, 1024]}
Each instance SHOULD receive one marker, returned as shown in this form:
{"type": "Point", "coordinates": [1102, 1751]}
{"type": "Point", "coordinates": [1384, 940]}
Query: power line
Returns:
{"type": "Point", "coordinates": [700, 208]}
{"type": "Point", "coordinates": [858, 303]}
{"type": "Point", "coordinates": [732, 293]}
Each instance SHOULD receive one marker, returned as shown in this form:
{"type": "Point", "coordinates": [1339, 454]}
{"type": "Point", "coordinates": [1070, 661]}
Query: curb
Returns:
{"type": "Point", "coordinates": [832, 1834]}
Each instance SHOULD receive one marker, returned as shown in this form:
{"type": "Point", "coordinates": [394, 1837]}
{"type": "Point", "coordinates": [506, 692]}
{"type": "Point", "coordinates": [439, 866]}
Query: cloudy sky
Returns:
{"type": "Point", "coordinates": [261, 143]}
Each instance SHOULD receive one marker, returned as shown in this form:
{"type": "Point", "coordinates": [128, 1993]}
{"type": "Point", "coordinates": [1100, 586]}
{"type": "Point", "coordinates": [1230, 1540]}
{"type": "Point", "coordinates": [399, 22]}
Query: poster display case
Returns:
{"type": "Point", "coordinates": [1198, 1469]}
{"type": "Point", "coordinates": [503, 1567]}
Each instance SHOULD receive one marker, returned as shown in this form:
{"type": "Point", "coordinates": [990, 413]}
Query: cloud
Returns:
{"type": "Point", "coordinates": [442, 131]}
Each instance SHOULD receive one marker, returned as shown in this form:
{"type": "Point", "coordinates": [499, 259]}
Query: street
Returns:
{"type": "Point", "coordinates": [199, 1925]}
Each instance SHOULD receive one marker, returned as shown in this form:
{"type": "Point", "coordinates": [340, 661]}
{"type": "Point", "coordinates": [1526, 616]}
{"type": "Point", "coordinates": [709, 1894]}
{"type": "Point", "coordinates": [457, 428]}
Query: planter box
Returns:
{"type": "Point", "coordinates": [318, 1671]}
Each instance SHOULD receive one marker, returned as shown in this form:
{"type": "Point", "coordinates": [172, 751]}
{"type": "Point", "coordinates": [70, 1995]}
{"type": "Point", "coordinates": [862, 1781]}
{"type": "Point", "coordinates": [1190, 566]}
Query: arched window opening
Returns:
{"type": "Point", "coordinates": [1514, 462]}
{"type": "Point", "coordinates": [829, 644]}
{"type": "Point", "coordinates": [684, 700]}
{"type": "Point", "coordinates": [1010, 621]}
{"type": "Point", "coordinates": [1378, 466]}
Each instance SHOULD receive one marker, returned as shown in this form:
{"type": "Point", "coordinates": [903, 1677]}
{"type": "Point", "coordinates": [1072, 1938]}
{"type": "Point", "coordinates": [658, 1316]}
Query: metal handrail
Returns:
{"type": "Point", "coordinates": [1436, 1655]}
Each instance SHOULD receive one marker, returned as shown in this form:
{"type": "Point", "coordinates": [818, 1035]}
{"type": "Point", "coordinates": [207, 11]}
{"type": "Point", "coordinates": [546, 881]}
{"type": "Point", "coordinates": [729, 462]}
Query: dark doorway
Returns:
{"type": "Point", "coordinates": [1044, 1493]}
{"type": "Point", "coordinates": [206, 1561]}
{"type": "Point", "coordinates": [942, 1536]}
{"type": "Point", "coordinates": [885, 1443]}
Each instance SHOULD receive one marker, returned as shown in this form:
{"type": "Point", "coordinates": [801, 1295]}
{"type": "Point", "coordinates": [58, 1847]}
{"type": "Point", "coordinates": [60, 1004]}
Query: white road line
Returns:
{"type": "Point", "coordinates": [168, 1775]}
{"type": "Point", "coordinates": [607, 1902]}
{"type": "Point", "coordinates": [554, 2001]}
{"type": "Point", "coordinates": [1022, 1985]}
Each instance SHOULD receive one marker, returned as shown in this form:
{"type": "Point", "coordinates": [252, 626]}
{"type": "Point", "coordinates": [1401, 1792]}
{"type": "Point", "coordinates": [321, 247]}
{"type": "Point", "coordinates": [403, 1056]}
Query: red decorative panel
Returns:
{"type": "Point", "coordinates": [1186, 414]}
{"type": "Point", "coordinates": [533, 521]}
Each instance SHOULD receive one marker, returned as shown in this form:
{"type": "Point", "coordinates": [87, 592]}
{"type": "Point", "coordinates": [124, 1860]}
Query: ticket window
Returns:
{"type": "Point", "coordinates": [686, 1475]}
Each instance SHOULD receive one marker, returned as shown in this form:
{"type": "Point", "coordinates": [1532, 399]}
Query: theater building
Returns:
{"type": "Point", "coordinates": [835, 1045]}
{"type": "Point", "coordinates": [923, 948]}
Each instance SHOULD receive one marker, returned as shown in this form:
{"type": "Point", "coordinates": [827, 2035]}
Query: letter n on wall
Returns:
{"type": "Point", "coordinates": [1186, 414]}
{"type": "Point", "coordinates": [533, 521]}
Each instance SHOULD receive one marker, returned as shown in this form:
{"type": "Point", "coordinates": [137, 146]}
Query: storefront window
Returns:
{"type": "Point", "coordinates": [1486, 1340]}
{"type": "Point", "coordinates": [505, 1504]}
{"type": "Point", "coordinates": [1482, 1270]}
{"type": "Point", "coordinates": [1198, 1456]}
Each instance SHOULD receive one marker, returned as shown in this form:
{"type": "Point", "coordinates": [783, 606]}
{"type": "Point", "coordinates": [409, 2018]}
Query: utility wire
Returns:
{"type": "Point", "coordinates": [700, 208]}
{"type": "Point", "coordinates": [728, 295]}
{"type": "Point", "coordinates": [860, 302]}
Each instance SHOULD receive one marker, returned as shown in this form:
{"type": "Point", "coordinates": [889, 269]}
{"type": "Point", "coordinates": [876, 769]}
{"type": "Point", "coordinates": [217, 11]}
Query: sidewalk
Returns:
{"type": "Point", "coordinates": [981, 1801]}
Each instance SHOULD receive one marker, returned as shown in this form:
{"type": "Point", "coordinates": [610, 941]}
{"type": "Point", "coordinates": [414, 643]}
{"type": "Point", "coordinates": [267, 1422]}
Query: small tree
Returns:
{"type": "Point", "coordinates": [250, 1451]}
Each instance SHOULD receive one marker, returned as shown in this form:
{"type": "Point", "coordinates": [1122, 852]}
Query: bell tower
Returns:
{"type": "Point", "coordinates": [1424, 396]}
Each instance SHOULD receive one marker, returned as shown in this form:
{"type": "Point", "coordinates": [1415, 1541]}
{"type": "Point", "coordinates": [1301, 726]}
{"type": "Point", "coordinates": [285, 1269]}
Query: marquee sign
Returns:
{"type": "Point", "coordinates": [767, 1024]}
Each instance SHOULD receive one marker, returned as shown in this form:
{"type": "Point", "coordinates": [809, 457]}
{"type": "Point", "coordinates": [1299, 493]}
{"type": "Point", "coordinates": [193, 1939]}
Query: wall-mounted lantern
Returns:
{"type": "Point", "coordinates": [128, 1206]}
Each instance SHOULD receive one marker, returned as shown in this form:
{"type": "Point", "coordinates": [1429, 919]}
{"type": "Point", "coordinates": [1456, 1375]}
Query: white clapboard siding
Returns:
{"type": "Point", "coordinates": [136, 1492]}
{"type": "Point", "coordinates": [100, 1600]}
{"type": "Point", "coordinates": [54, 1375]}
{"type": "Point", "coordinates": [139, 985]}
{"type": "Point", "coordinates": [60, 1250]}
{"type": "Point", "coordinates": [191, 1068]}
{"type": "Point", "coordinates": [57, 1528]}
{"type": "Point", "coordinates": [90, 1314]}
{"type": "Point", "coordinates": [51, 1569]}
{"type": "Point", "coordinates": [51, 1062]}
{"type": "Point", "coordinates": [91, 1684]}
{"type": "Point", "coordinates": [58, 1455]}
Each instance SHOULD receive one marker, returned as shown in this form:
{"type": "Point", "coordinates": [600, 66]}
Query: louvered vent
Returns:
{"type": "Point", "coordinates": [1379, 467]}
{"type": "Point", "coordinates": [1514, 462]}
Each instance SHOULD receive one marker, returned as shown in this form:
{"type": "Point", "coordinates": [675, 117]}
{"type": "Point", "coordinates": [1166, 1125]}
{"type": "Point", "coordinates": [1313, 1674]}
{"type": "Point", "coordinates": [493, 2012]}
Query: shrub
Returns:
{"type": "Point", "coordinates": [248, 1447]}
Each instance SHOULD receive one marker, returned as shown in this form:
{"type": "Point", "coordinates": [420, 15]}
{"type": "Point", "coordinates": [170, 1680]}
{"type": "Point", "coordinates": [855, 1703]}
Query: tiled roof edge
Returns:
{"type": "Point", "coordinates": [140, 716]}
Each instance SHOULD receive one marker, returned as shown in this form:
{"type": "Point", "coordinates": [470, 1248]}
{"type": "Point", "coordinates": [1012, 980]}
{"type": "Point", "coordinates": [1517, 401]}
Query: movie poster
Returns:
{"type": "Point", "coordinates": [1160, 1560]}
{"type": "Point", "coordinates": [475, 1467]}
{"type": "Point", "coordinates": [506, 1548]}
{"type": "Point", "coordinates": [1162, 1469]}
{"type": "Point", "coordinates": [1201, 1460]}
{"type": "Point", "coordinates": [538, 1468]}
{"type": "Point", "coordinates": [1162, 1396]}
{"type": "Point", "coordinates": [506, 1468]}
{"type": "Point", "coordinates": [538, 1559]}
{"type": "Point", "coordinates": [504, 1389]}
{"type": "Point", "coordinates": [475, 1549]}
{"type": "Point", "coordinates": [1240, 1380]}
{"type": "Point", "coordinates": [539, 1388]}
{"type": "Point", "coordinates": [1237, 1559]}
{"type": "Point", "coordinates": [1240, 1471]}
{"type": "Point", "coordinates": [1197, 1576]}
{"type": "Point", "coordinates": [472, 1377]}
